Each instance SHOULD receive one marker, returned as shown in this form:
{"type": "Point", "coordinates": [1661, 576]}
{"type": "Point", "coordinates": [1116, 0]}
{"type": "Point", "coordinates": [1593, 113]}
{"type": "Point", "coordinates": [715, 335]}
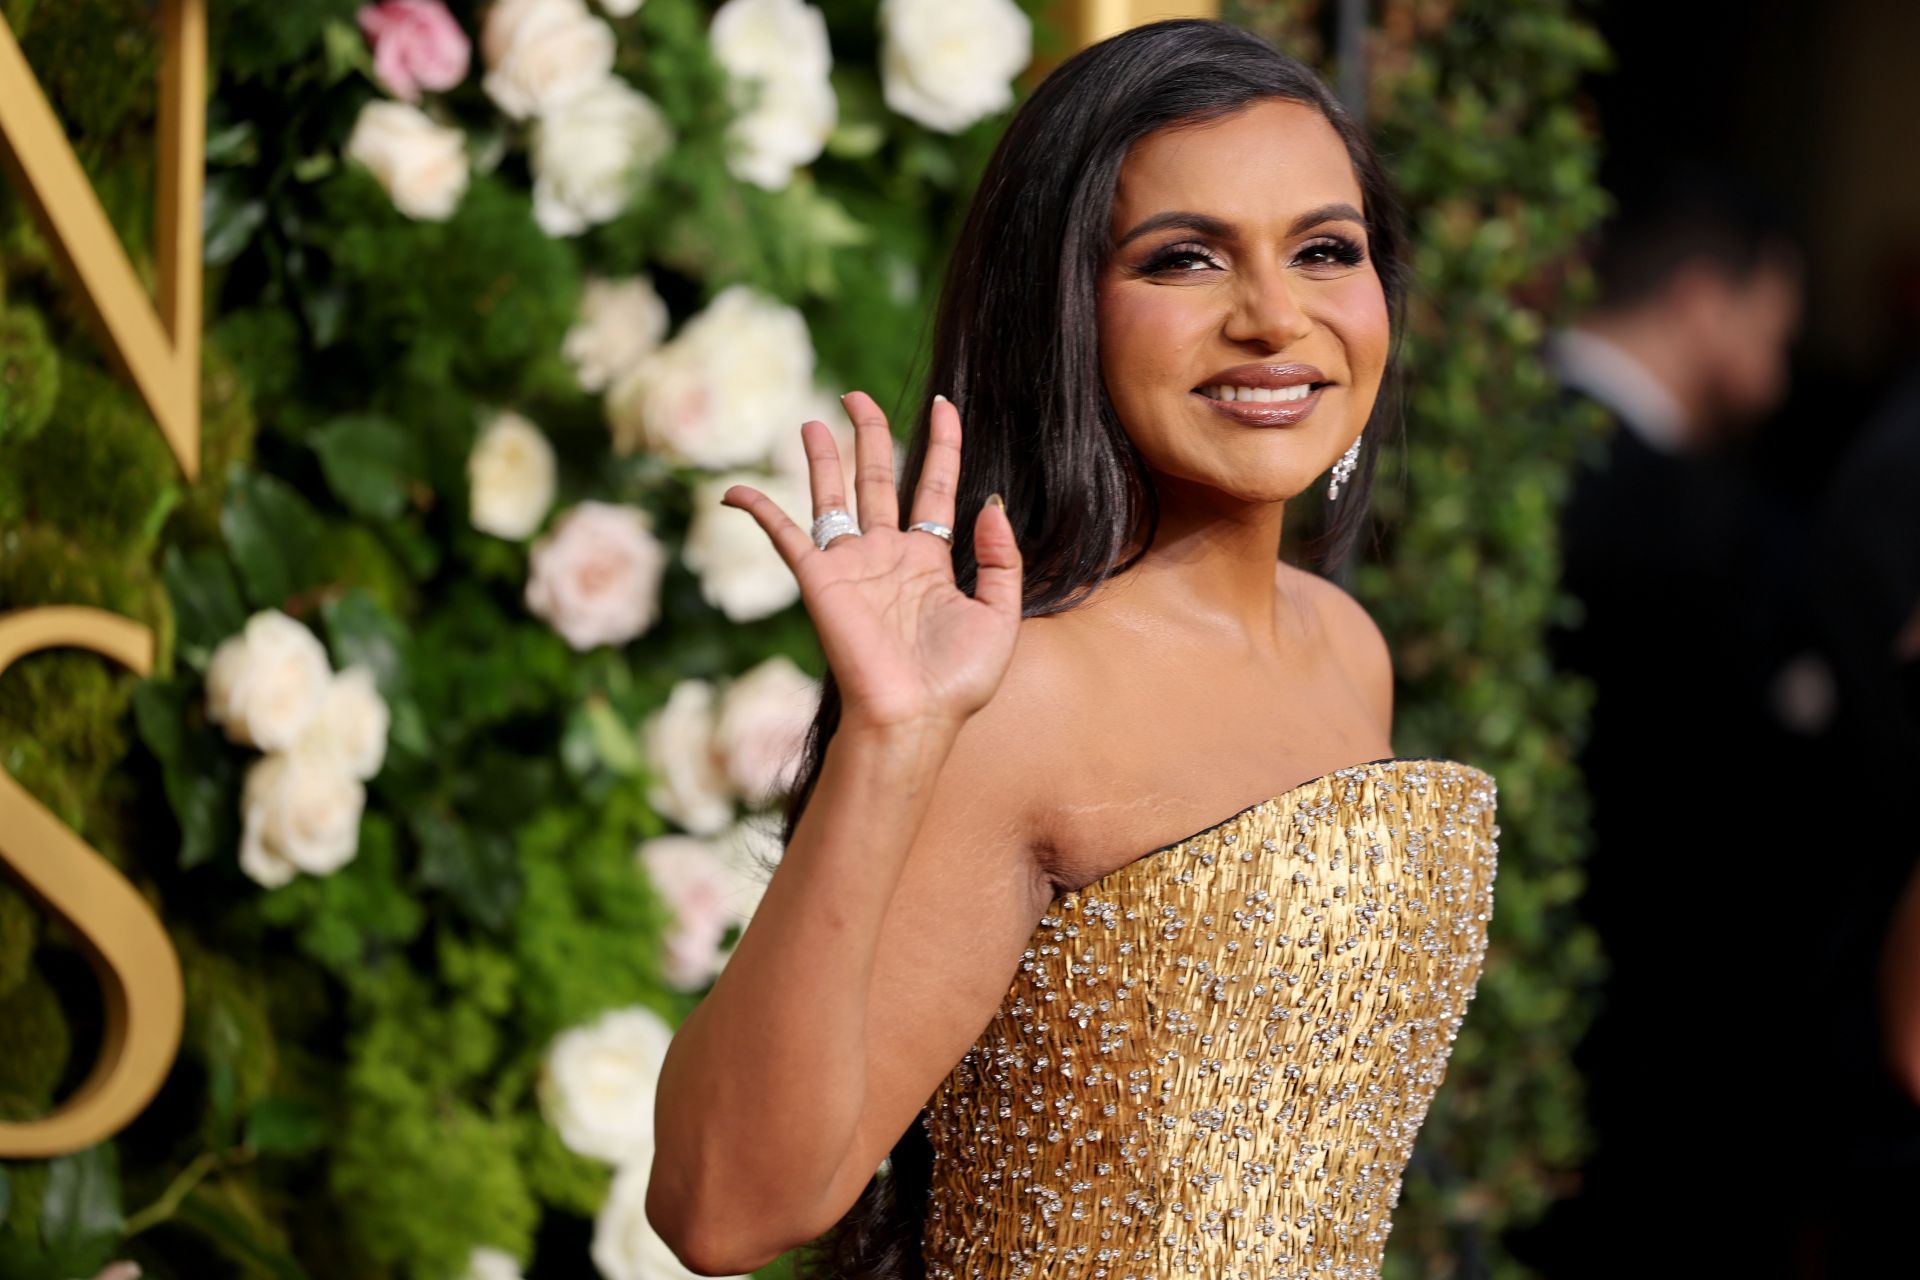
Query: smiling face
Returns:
{"type": "Point", "coordinates": [1242, 251]}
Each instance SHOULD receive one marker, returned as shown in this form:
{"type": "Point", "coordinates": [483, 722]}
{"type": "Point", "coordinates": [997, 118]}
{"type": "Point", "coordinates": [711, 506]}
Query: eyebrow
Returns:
{"type": "Point", "coordinates": [1207, 224]}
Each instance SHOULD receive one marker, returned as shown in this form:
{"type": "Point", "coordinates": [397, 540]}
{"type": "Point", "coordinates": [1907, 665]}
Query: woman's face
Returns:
{"type": "Point", "coordinates": [1243, 262]}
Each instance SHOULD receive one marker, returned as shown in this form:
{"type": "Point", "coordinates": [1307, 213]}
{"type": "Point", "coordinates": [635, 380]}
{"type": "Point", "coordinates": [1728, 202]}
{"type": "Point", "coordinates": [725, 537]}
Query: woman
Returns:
{"type": "Point", "coordinates": [1208, 1059]}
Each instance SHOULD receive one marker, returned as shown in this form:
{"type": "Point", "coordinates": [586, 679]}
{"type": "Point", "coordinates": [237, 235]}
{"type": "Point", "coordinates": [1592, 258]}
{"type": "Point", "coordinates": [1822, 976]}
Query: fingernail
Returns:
{"type": "Point", "coordinates": [942, 399]}
{"type": "Point", "coordinates": [995, 499]}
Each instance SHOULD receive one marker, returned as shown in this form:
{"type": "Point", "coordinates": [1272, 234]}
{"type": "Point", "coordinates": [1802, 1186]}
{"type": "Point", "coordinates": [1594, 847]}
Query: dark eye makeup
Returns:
{"type": "Point", "coordinates": [1339, 249]}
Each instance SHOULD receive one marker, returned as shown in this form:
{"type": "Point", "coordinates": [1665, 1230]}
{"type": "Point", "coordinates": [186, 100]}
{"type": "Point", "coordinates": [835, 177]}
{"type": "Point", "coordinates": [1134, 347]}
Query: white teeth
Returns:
{"type": "Point", "coordinates": [1258, 395]}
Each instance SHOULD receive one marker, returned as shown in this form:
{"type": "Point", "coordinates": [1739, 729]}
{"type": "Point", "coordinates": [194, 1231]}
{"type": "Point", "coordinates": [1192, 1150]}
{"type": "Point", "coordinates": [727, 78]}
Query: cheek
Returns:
{"type": "Point", "coordinates": [1145, 331]}
{"type": "Point", "coordinates": [1356, 311]}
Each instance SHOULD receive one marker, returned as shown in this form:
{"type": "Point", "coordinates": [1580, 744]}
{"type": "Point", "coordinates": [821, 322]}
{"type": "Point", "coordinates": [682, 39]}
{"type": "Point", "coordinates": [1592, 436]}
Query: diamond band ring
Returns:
{"type": "Point", "coordinates": [831, 524]}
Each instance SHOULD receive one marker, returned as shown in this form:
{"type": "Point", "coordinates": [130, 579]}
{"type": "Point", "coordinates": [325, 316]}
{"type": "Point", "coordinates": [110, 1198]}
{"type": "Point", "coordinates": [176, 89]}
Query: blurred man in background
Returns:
{"type": "Point", "coordinates": [1697, 632]}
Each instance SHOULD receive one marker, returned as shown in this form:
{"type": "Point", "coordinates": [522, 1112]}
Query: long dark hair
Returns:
{"type": "Point", "coordinates": [1015, 348]}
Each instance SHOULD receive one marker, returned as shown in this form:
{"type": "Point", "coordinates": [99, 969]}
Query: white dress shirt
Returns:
{"type": "Point", "coordinates": [1604, 370]}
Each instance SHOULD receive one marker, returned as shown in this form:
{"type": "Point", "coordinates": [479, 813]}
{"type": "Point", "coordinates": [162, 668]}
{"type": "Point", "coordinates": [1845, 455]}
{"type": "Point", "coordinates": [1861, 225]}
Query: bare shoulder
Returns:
{"type": "Point", "coordinates": [1347, 635]}
{"type": "Point", "coordinates": [1000, 759]}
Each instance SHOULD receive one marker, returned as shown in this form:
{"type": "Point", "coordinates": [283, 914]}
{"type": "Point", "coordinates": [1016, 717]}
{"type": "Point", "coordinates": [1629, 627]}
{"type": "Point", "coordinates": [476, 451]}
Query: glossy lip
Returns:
{"type": "Point", "coordinates": [1264, 375]}
{"type": "Point", "coordinates": [1255, 414]}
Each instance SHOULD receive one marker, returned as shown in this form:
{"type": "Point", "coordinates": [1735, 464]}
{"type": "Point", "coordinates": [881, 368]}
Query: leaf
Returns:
{"type": "Point", "coordinates": [370, 463]}
{"type": "Point", "coordinates": [273, 536]}
{"type": "Point", "coordinates": [80, 1214]}
{"type": "Point", "coordinates": [229, 217]}
{"type": "Point", "coordinates": [206, 600]}
{"type": "Point", "coordinates": [285, 1126]}
{"type": "Point", "coordinates": [200, 776]}
{"type": "Point", "coordinates": [475, 870]}
{"type": "Point", "coordinates": [234, 1236]}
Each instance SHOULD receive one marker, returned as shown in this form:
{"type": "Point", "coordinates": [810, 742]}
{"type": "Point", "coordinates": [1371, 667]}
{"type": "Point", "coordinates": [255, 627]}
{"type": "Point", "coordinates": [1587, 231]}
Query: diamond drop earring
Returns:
{"type": "Point", "coordinates": [1344, 468]}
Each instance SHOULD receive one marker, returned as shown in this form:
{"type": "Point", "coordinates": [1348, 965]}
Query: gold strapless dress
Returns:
{"type": "Point", "coordinates": [1213, 1061]}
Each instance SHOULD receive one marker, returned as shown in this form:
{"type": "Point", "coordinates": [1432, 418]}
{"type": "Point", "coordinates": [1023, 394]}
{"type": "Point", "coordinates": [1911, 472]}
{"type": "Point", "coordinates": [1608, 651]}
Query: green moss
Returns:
{"type": "Point", "coordinates": [34, 1045]}
{"type": "Point", "coordinates": [29, 375]}
{"type": "Point", "coordinates": [227, 429]}
{"type": "Point", "coordinates": [101, 469]}
{"type": "Point", "coordinates": [19, 934]}
{"type": "Point", "coordinates": [229, 1030]}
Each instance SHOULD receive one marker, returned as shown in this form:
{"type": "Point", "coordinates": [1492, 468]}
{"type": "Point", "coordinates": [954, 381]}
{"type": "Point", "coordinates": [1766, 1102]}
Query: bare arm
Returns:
{"type": "Point", "coordinates": [895, 919]}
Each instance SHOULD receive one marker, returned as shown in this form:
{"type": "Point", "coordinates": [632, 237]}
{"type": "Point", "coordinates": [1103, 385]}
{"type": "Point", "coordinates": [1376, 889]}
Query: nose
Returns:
{"type": "Point", "coordinates": [1266, 311]}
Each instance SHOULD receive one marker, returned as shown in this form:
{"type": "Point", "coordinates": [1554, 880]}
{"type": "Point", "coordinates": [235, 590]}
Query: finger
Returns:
{"type": "Point", "coordinates": [873, 463]}
{"type": "Point", "coordinates": [792, 542]}
{"type": "Point", "coordinates": [994, 548]}
{"type": "Point", "coordinates": [826, 477]}
{"type": "Point", "coordinates": [940, 471]}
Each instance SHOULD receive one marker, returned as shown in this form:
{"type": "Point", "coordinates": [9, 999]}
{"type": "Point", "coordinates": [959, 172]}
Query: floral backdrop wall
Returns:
{"type": "Point", "coordinates": [473, 705]}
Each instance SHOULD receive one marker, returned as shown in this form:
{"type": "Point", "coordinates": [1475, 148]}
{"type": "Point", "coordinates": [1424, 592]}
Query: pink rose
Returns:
{"type": "Point", "coordinates": [416, 45]}
{"type": "Point", "coordinates": [596, 575]}
{"type": "Point", "coordinates": [696, 885]}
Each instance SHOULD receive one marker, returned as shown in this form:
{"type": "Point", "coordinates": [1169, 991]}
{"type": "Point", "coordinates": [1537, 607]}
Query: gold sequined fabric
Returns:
{"type": "Point", "coordinates": [1213, 1062]}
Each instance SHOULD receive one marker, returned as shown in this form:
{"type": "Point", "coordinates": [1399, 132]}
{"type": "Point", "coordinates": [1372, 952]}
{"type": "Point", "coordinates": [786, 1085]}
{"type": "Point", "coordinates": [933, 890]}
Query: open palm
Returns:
{"type": "Point", "coordinates": [907, 646]}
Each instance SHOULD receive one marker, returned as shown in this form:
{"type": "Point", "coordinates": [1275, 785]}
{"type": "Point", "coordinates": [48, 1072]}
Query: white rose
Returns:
{"type": "Point", "coordinates": [619, 322]}
{"type": "Point", "coordinates": [588, 154]}
{"type": "Point", "coordinates": [598, 1083]}
{"type": "Point", "coordinates": [762, 725]}
{"type": "Point", "coordinates": [689, 779]}
{"type": "Point", "coordinates": [748, 849]}
{"type": "Point", "coordinates": [510, 477]}
{"type": "Point", "coordinates": [421, 164]}
{"type": "Point", "coordinates": [788, 456]}
{"type": "Point", "coordinates": [596, 575]}
{"type": "Point", "coordinates": [266, 684]}
{"type": "Point", "coordinates": [948, 63]}
{"type": "Point", "coordinates": [349, 735]}
{"type": "Point", "coordinates": [542, 54]}
{"type": "Point", "coordinates": [716, 395]}
{"type": "Point", "coordinates": [741, 572]}
{"type": "Point", "coordinates": [621, 8]}
{"type": "Point", "coordinates": [491, 1264]}
{"type": "Point", "coordinates": [298, 815]}
{"type": "Point", "coordinates": [697, 887]}
{"type": "Point", "coordinates": [777, 59]}
{"type": "Point", "coordinates": [625, 1244]}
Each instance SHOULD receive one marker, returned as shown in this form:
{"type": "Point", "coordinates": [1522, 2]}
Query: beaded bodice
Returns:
{"type": "Point", "coordinates": [1213, 1061]}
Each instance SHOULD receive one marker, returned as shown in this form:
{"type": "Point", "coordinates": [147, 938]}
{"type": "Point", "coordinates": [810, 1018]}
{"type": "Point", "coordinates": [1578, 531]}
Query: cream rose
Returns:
{"type": "Point", "coordinates": [741, 573]}
{"type": "Point", "coordinates": [542, 54]}
{"type": "Point", "coordinates": [589, 152]}
{"type": "Point", "coordinates": [717, 393]}
{"type": "Point", "coordinates": [778, 60]}
{"type": "Point", "coordinates": [749, 849]}
{"type": "Point", "coordinates": [349, 735]}
{"type": "Point", "coordinates": [625, 1244]}
{"type": "Point", "coordinates": [619, 322]}
{"type": "Point", "coordinates": [486, 1263]}
{"type": "Point", "coordinates": [298, 815]}
{"type": "Point", "coordinates": [422, 165]}
{"type": "Point", "coordinates": [788, 456]}
{"type": "Point", "coordinates": [696, 885]}
{"type": "Point", "coordinates": [266, 684]}
{"type": "Point", "coordinates": [948, 63]}
{"type": "Point", "coordinates": [511, 475]}
{"type": "Point", "coordinates": [762, 725]}
{"type": "Point", "coordinates": [598, 1081]}
{"type": "Point", "coordinates": [596, 575]}
{"type": "Point", "coordinates": [689, 779]}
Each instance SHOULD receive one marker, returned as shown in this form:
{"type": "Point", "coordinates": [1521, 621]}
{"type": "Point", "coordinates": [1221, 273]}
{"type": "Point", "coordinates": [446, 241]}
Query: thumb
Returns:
{"type": "Point", "coordinates": [998, 583]}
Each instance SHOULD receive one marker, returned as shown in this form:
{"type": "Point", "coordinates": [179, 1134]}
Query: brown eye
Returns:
{"type": "Point", "coordinates": [1178, 258]}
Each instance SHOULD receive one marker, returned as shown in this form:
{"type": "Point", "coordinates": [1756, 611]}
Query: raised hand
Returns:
{"type": "Point", "coordinates": [907, 646]}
